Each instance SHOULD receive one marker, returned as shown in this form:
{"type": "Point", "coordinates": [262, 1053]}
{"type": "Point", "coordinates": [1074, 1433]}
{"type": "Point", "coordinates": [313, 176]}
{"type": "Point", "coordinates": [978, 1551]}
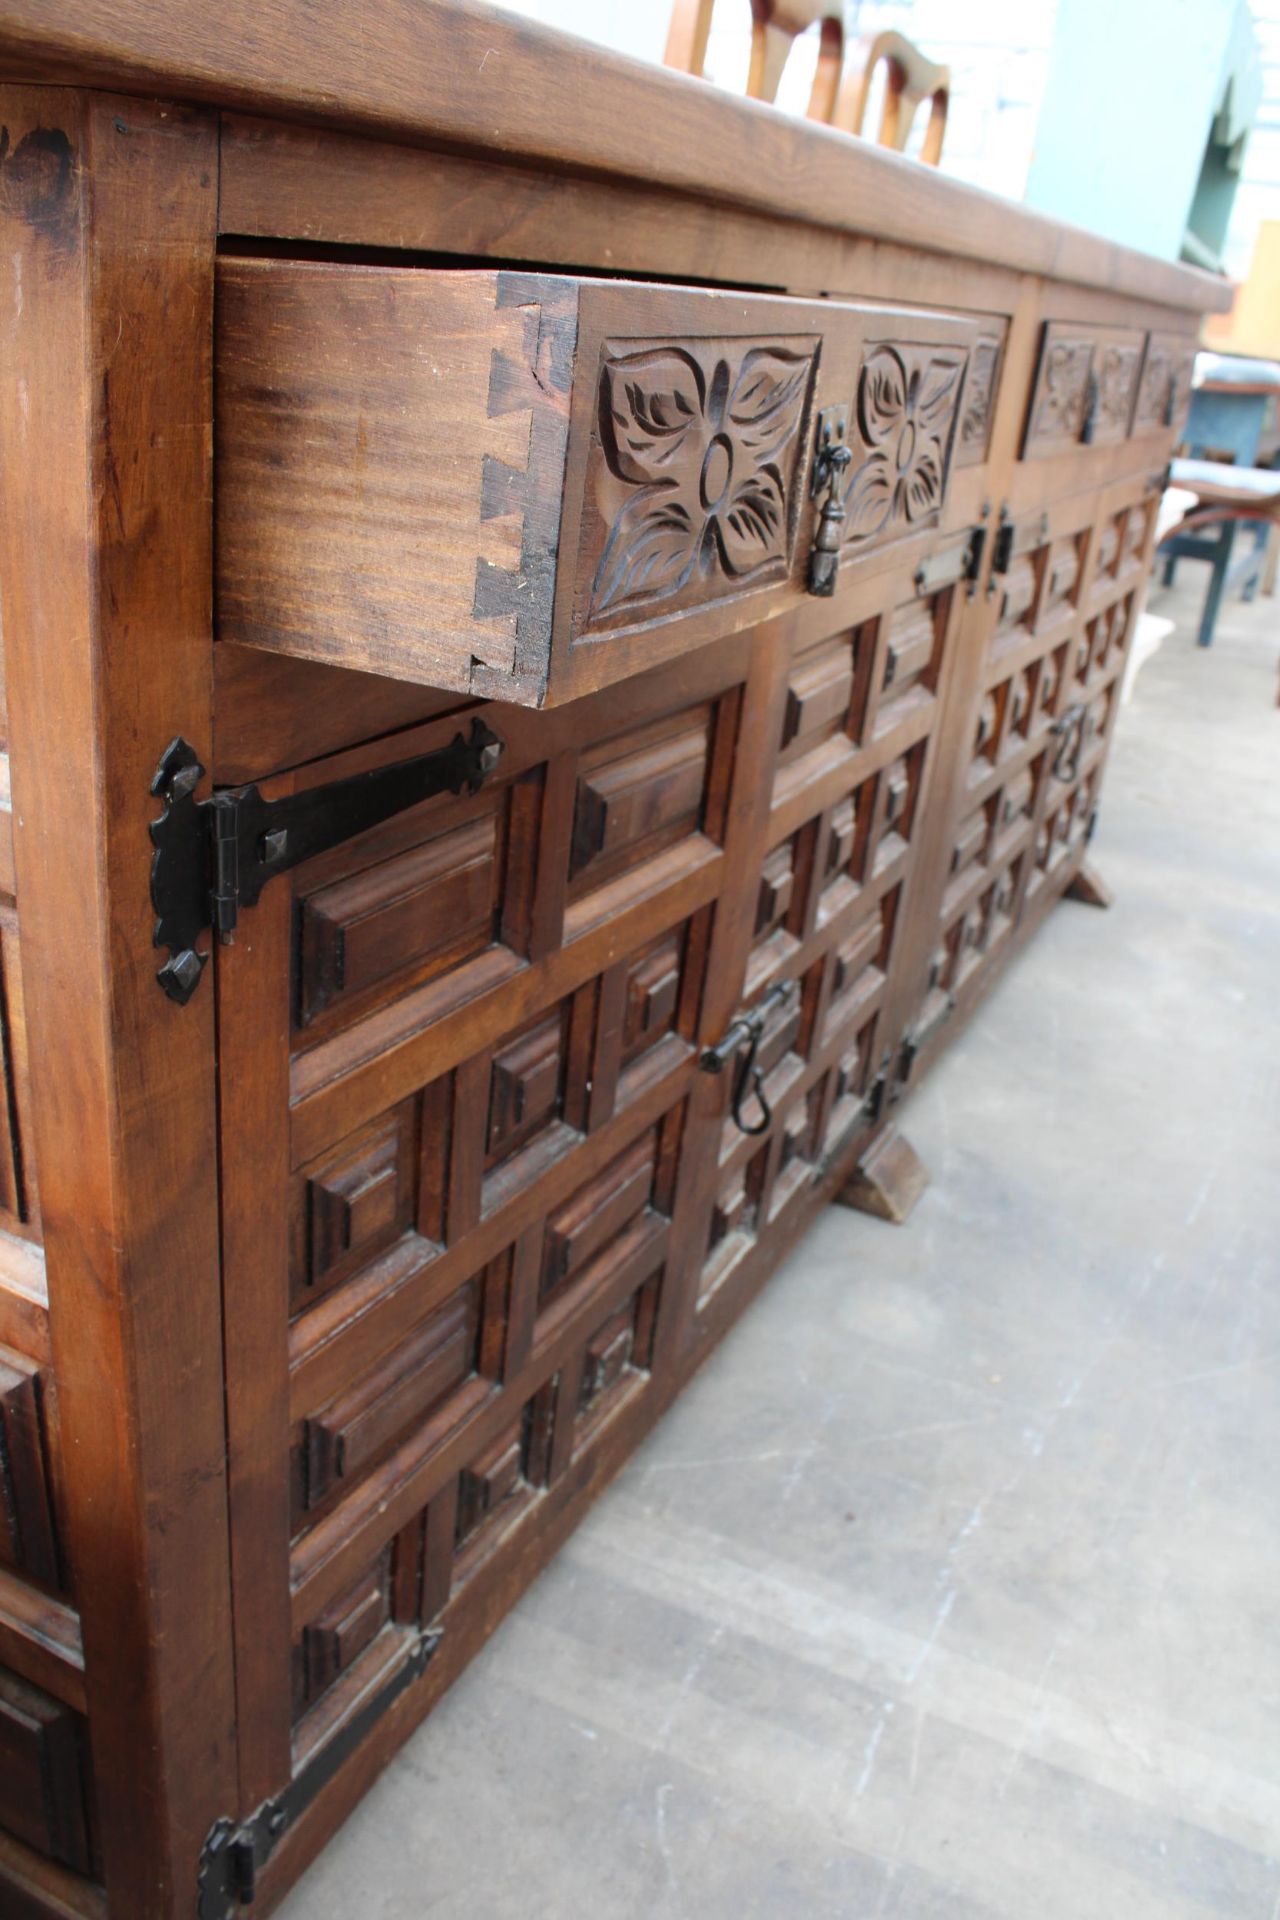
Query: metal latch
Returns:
{"type": "Point", "coordinates": [1089, 423]}
{"type": "Point", "coordinates": [235, 1852]}
{"type": "Point", "coordinates": [1071, 730]}
{"type": "Point", "coordinates": [748, 1075]}
{"type": "Point", "coordinates": [213, 857]}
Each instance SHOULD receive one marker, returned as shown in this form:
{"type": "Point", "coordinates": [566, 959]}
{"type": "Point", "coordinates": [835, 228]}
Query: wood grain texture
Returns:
{"type": "Point", "coordinates": [460, 75]}
{"type": "Point", "coordinates": [480, 1213]}
{"type": "Point", "coordinates": [105, 564]}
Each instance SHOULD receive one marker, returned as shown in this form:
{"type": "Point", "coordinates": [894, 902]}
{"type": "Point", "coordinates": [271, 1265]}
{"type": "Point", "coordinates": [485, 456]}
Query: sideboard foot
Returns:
{"type": "Point", "coordinates": [1089, 887]}
{"type": "Point", "coordinates": [887, 1181]}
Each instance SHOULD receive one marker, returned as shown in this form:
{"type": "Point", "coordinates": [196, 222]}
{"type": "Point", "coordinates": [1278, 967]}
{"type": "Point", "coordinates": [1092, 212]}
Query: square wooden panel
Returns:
{"type": "Point", "coordinates": [354, 1203]}
{"type": "Point", "coordinates": [735, 1221]}
{"type": "Point", "coordinates": [419, 900]}
{"type": "Point", "coordinates": [494, 1489]}
{"type": "Point", "coordinates": [616, 1360]}
{"type": "Point", "coordinates": [851, 1079]}
{"type": "Point", "coordinates": [28, 1538]}
{"type": "Point", "coordinates": [42, 1774]}
{"type": "Point", "coordinates": [899, 787]}
{"type": "Point", "coordinates": [912, 659]}
{"type": "Point", "coordinates": [607, 1223]}
{"type": "Point", "coordinates": [822, 715]}
{"type": "Point", "coordinates": [859, 964]}
{"type": "Point", "coordinates": [438, 1374]}
{"type": "Point", "coordinates": [638, 795]}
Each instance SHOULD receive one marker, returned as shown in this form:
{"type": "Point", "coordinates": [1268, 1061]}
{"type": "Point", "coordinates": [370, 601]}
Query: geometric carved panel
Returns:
{"type": "Point", "coordinates": [355, 1202]}
{"type": "Point", "coordinates": [410, 1384]}
{"type": "Point", "coordinates": [639, 795]}
{"type": "Point", "coordinates": [347, 1626]}
{"type": "Point", "coordinates": [27, 1541]}
{"type": "Point", "coordinates": [42, 1797]}
{"type": "Point", "coordinates": [429, 907]}
{"type": "Point", "coordinates": [591, 1233]}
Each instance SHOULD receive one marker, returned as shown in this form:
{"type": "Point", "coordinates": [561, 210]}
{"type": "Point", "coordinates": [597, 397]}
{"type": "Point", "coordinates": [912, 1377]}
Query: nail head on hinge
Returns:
{"type": "Point", "coordinates": [180, 976]}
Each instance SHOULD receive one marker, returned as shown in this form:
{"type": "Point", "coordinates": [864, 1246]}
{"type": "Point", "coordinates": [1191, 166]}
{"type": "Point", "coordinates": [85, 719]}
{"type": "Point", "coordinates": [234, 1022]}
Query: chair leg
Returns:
{"type": "Point", "coordinates": [1217, 580]}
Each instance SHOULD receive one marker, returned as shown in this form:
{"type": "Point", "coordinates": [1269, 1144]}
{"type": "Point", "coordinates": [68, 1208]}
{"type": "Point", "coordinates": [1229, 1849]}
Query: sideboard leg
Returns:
{"type": "Point", "coordinates": [1089, 887]}
{"type": "Point", "coordinates": [887, 1181]}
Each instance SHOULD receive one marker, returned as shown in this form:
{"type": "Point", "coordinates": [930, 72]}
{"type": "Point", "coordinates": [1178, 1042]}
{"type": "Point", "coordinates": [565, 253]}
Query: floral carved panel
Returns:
{"type": "Point", "coordinates": [695, 471]}
{"type": "Point", "coordinates": [1061, 397]}
{"type": "Point", "coordinates": [978, 405]}
{"type": "Point", "coordinates": [1086, 386]}
{"type": "Point", "coordinates": [901, 430]}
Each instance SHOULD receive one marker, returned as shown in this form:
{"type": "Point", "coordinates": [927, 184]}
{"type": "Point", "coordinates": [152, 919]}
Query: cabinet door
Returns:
{"type": "Point", "coordinates": [456, 1057]}
{"type": "Point", "coordinates": [481, 1207]}
{"type": "Point", "coordinates": [1031, 736]}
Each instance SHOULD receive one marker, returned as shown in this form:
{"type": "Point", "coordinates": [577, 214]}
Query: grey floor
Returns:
{"type": "Point", "coordinates": [951, 1588]}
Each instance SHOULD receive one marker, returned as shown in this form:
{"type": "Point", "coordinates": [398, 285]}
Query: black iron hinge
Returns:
{"type": "Point", "coordinates": [235, 1852]}
{"type": "Point", "coordinates": [213, 857]}
{"type": "Point", "coordinates": [748, 1076]}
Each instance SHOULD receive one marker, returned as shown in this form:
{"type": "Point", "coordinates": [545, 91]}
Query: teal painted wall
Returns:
{"type": "Point", "coordinates": [1131, 94]}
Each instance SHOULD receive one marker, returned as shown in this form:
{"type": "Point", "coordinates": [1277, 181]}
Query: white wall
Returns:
{"type": "Point", "coordinates": [998, 51]}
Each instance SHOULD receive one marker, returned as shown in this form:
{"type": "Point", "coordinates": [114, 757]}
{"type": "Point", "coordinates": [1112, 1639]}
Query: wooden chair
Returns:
{"type": "Point", "coordinates": [909, 79]}
{"type": "Point", "coordinates": [775, 27]}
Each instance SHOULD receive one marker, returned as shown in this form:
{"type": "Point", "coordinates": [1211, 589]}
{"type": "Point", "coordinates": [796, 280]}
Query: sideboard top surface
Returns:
{"type": "Point", "coordinates": [461, 75]}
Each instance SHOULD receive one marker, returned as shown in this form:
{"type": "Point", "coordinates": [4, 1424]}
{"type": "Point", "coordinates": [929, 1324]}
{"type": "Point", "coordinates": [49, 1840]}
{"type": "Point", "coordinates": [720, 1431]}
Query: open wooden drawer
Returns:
{"type": "Point", "coordinates": [530, 486]}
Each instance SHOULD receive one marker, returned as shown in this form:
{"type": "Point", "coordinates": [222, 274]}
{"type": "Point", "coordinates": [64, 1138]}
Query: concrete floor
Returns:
{"type": "Point", "coordinates": [951, 1588]}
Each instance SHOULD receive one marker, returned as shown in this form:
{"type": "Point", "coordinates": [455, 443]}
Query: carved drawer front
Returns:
{"type": "Point", "coordinates": [1086, 388]}
{"type": "Point", "coordinates": [42, 1774]}
{"type": "Point", "coordinates": [529, 486]}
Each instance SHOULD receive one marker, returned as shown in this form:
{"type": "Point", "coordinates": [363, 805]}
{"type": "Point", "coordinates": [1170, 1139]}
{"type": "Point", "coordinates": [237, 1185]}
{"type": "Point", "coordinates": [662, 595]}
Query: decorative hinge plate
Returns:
{"type": "Point", "coordinates": [213, 857]}
{"type": "Point", "coordinates": [235, 1852]}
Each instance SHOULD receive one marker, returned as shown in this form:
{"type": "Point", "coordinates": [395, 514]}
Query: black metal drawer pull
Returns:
{"type": "Point", "coordinates": [748, 1075]}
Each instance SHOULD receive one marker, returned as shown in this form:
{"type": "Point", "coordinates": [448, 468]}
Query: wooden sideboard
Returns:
{"type": "Point", "coordinates": [440, 801]}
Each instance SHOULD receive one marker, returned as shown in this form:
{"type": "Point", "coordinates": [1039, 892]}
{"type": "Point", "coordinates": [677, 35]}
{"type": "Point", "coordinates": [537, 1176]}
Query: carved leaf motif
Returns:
{"type": "Point", "coordinates": [653, 407]}
{"type": "Point", "coordinates": [870, 497]}
{"type": "Point", "coordinates": [751, 530]}
{"type": "Point", "coordinates": [923, 480]}
{"type": "Point", "coordinates": [651, 550]}
{"type": "Point", "coordinates": [940, 393]}
{"type": "Point", "coordinates": [882, 395]}
{"type": "Point", "coordinates": [765, 403]}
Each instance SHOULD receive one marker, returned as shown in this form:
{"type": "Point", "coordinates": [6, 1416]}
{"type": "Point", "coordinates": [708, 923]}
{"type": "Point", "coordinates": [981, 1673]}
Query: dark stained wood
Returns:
{"type": "Point", "coordinates": [475, 1212]}
{"type": "Point", "coordinates": [887, 1181]}
{"type": "Point", "coordinates": [108, 209]}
